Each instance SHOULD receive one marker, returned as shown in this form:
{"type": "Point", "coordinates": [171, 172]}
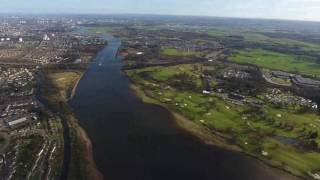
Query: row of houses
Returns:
{"type": "Point", "coordinates": [16, 102]}
{"type": "Point", "coordinates": [297, 79]}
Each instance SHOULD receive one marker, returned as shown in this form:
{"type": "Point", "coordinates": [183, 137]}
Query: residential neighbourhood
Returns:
{"type": "Point", "coordinates": [31, 135]}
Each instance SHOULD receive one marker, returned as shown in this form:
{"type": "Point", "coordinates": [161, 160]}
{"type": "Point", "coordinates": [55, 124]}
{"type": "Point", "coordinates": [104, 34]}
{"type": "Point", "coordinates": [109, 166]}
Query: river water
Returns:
{"type": "Point", "coordinates": [137, 141]}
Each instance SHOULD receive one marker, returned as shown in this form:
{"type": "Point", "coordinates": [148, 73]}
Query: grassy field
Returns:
{"type": "Point", "coordinates": [272, 59]}
{"type": "Point", "coordinates": [276, 61]}
{"type": "Point", "coordinates": [253, 132]}
{"type": "Point", "coordinates": [175, 52]}
{"type": "Point", "coordinates": [281, 81]}
{"type": "Point", "coordinates": [259, 38]}
{"type": "Point", "coordinates": [65, 81]}
{"type": "Point", "coordinates": [255, 37]}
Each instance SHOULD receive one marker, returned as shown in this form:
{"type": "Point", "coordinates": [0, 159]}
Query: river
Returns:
{"type": "Point", "coordinates": [138, 141]}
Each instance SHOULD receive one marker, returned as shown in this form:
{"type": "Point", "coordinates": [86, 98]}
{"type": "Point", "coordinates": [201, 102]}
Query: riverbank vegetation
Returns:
{"type": "Point", "coordinates": [283, 137]}
{"type": "Point", "coordinates": [57, 89]}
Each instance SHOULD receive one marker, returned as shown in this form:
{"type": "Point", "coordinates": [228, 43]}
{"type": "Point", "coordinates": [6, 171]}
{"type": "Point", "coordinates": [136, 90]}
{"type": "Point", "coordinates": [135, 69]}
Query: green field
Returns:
{"type": "Point", "coordinates": [272, 59]}
{"type": "Point", "coordinates": [276, 61]}
{"type": "Point", "coordinates": [255, 37]}
{"type": "Point", "coordinates": [259, 38]}
{"type": "Point", "coordinates": [175, 52]}
{"type": "Point", "coordinates": [253, 132]}
{"type": "Point", "coordinates": [281, 81]}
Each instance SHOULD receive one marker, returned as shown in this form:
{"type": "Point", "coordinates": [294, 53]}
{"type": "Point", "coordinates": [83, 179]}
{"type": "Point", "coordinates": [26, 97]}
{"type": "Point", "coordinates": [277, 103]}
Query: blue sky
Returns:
{"type": "Point", "coordinates": [275, 9]}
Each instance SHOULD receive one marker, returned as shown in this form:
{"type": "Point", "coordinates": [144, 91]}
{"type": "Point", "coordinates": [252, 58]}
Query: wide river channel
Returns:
{"type": "Point", "coordinates": [137, 141]}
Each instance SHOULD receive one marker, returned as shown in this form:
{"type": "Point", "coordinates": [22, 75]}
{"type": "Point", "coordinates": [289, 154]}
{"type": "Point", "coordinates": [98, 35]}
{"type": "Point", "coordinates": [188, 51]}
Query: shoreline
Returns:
{"type": "Point", "coordinates": [212, 139]}
{"type": "Point", "coordinates": [74, 89]}
{"type": "Point", "coordinates": [92, 168]}
{"type": "Point", "coordinates": [182, 122]}
{"type": "Point", "coordinates": [82, 162]}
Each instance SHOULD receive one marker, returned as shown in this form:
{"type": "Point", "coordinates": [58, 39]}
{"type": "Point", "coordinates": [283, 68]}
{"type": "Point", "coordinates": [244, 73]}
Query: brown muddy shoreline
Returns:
{"type": "Point", "coordinates": [92, 171]}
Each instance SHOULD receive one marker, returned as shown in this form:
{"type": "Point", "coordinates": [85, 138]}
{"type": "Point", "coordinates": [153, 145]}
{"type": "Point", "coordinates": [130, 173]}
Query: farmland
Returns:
{"type": "Point", "coordinates": [276, 61]}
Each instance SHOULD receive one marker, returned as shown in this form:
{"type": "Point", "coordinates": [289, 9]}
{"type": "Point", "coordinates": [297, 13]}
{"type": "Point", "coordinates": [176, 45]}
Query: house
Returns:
{"type": "Point", "coordinates": [16, 123]}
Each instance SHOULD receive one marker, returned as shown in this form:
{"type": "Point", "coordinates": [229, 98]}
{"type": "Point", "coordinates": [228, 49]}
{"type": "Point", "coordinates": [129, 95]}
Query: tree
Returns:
{"type": "Point", "coordinates": [183, 81]}
{"type": "Point", "coordinates": [313, 135]}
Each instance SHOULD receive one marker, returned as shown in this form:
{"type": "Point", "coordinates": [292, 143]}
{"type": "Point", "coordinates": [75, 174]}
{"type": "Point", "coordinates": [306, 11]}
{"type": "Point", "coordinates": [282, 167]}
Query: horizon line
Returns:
{"type": "Point", "coordinates": [156, 14]}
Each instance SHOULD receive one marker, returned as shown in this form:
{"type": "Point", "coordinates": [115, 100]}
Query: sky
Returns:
{"type": "Point", "coordinates": [269, 9]}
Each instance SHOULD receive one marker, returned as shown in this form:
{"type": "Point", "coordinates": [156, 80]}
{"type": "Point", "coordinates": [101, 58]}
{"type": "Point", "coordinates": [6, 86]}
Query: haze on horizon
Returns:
{"type": "Point", "coordinates": [269, 9]}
